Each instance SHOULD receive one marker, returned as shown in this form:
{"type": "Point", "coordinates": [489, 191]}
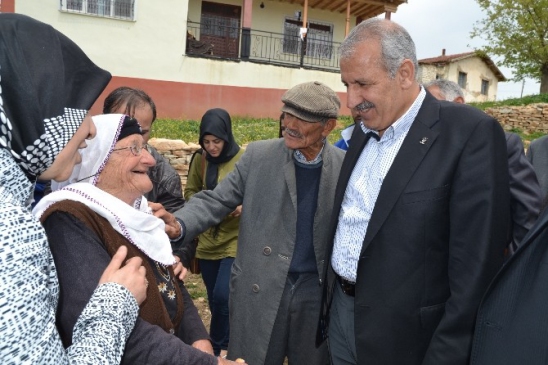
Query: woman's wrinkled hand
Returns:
{"type": "Point", "coordinates": [178, 269]}
{"type": "Point", "coordinates": [173, 227]}
{"type": "Point", "coordinates": [132, 275]}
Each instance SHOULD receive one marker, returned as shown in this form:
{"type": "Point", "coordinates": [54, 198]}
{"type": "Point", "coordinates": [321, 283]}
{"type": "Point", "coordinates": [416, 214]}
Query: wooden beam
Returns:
{"type": "Point", "coordinates": [360, 8]}
{"type": "Point", "coordinates": [305, 13]}
{"type": "Point", "coordinates": [347, 28]}
{"type": "Point", "coordinates": [315, 4]}
{"type": "Point", "coordinates": [376, 2]}
{"type": "Point", "coordinates": [336, 5]}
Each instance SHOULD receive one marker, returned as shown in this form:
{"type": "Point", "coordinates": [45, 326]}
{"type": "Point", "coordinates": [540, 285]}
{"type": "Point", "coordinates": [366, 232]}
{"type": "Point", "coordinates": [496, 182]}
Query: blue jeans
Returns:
{"type": "Point", "coordinates": [216, 276]}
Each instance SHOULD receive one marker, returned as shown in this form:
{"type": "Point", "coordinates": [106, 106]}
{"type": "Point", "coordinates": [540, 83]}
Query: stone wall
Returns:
{"type": "Point", "coordinates": [530, 118]}
{"type": "Point", "coordinates": [177, 152]}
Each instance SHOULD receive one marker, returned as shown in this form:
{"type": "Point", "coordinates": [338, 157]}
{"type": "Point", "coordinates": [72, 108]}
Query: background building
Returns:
{"type": "Point", "coordinates": [192, 55]}
{"type": "Point", "coordinates": [476, 73]}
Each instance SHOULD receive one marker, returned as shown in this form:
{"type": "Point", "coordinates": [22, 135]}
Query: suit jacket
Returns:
{"type": "Point", "coordinates": [512, 319]}
{"type": "Point", "coordinates": [537, 154]}
{"type": "Point", "coordinates": [264, 182]}
{"type": "Point", "coordinates": [525, 193]}
{"type": "Point", "coordinates": [435, 238]}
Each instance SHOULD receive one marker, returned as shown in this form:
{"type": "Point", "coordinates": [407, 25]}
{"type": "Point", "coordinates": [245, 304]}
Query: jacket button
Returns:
{"type": "Point", "coordinates": [267, 251]}
{"type": "Point", "coordinates": [321, 282]}
{"type": "Point", "coordinates": [171, 330]}
{"type": "Point", "coordinates": [255, 288]}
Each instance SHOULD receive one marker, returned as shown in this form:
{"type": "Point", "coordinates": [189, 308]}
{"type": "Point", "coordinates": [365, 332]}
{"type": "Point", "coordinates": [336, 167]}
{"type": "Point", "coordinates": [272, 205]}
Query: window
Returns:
{"type": "Point", "coordinates": [484, 87]}
{"type": "Point", "coordinates": [462, 79]}
{"type": "Point", "coordinates": [318, 40]}
{"type": "Point", "coordinates": [122, 9]}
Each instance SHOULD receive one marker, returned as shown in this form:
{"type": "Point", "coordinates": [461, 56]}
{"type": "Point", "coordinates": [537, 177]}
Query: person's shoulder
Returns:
{"type": "Point", "coordinates": [541, 141]}
{"type": "Point", "coordinates": [452, 109]}
{"type": "Point", "coordinates": [267, 145]}
{"type": "Point", "coordinates": [512, 138]}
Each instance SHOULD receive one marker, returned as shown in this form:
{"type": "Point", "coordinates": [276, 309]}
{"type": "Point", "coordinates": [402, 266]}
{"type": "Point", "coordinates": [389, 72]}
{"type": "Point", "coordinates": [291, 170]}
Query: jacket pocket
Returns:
{"type": "Point", "coordinates": [431, 316]}
{"type": "Point", "coordinates": [426, 195]}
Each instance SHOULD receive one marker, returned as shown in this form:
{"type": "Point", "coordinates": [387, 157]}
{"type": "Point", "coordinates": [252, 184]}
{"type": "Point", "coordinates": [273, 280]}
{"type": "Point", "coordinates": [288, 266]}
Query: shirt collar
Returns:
{"type": "Point", "coordinates": [299, 157]}
{"type": "Point", "coordinates": [402, 125]}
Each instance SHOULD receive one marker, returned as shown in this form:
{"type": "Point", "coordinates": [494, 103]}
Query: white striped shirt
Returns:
{"type": "Point", "coordinates": [363, 189]}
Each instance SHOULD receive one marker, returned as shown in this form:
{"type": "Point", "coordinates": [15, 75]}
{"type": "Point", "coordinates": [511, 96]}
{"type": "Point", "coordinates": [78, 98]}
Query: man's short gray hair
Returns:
{"type": "Point", "coordinates": [396, 43]}
{"type": "Point", "coordinates": [450, 90]}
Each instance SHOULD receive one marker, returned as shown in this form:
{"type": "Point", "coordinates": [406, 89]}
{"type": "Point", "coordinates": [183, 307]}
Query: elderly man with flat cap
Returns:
{"type": "Point", "coordinates": [286, 189]}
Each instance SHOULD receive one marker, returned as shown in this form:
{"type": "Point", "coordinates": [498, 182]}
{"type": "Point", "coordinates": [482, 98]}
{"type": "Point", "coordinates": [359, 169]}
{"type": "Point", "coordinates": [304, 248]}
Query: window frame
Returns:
{"type": "Point", "coordinates": [316, 47]}
{"type": "Point", "coordinates": [462, 79]}
{"type": "Point", "coordinates": [484, 84]}
{"type": "Point", "coordinates": [114, 6]}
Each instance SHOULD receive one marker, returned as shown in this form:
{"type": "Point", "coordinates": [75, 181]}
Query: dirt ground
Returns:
{"type": "Point", "coordinates": [196, 288]}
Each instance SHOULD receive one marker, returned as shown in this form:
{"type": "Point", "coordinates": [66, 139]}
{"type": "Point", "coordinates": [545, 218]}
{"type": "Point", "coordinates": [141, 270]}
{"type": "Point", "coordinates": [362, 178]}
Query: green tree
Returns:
{"type": "Point", "coordinates": [517, 31]}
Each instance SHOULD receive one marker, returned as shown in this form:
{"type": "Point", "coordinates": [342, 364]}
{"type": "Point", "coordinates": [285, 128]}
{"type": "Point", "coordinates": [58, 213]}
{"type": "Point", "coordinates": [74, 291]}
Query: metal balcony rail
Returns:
{"type": "Point", "coordinates": [214, 39]}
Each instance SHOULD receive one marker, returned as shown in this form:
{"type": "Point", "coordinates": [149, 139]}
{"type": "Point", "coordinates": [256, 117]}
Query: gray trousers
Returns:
{"type": "Point", "coordinates": [294, 331]}
{"type": "Point", "coordinates": [342, 340]}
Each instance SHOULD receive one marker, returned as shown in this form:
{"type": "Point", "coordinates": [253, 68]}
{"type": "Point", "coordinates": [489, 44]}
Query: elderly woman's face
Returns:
{"type": "Point", "coordinates": [125, 174]}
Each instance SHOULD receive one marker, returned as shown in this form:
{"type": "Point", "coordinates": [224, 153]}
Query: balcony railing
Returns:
{"type": "Point", "coordinates": [220, 41]}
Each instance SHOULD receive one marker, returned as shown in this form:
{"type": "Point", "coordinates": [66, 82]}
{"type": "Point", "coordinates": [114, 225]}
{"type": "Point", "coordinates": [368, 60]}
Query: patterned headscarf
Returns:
{"type": "Point", "coordinates": [47, 85]}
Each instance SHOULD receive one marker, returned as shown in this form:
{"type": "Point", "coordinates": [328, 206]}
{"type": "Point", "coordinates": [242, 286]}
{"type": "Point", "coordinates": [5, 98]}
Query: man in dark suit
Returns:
{"type": "Point", "coordinates": [511, 323]}
{"type": "Point", "coordinates": [525, 193]}
{"type": "Point", "coordinates": [421, 207]}
{"type": "Point", "coordinates": [537, 154]}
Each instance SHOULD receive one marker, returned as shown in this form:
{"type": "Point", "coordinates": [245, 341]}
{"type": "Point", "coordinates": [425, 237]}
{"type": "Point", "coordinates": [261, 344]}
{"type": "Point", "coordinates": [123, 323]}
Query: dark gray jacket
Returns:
{"type": "Point", "coordinates": [166, 184]}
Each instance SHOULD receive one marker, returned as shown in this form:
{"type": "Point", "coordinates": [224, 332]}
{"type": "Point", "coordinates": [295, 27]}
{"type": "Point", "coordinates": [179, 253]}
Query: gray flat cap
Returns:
{"type": "Point", "coordinates": [312, 102]}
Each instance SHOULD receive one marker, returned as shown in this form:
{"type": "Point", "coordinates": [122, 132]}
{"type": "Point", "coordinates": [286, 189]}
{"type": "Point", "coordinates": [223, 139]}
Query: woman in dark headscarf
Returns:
{"type": "Point", "coordinates": [47, 84]}
{"type": "Point", "coordinates": [217, 246]}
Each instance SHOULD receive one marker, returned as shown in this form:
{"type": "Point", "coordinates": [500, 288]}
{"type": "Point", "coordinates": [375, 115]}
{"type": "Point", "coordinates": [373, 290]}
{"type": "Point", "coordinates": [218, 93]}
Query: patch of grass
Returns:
{"type": "Point", "coordinates": [530, 99]}
{"type": "Point", "coordinates": [527, 136]}
{"type": "Point", "coordinates": [245, 130]}
{"type": "Point", "coordinates": [195, 288]}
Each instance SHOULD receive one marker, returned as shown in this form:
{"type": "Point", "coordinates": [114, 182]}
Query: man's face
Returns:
{"type": "Point", "coordinates": [371, 94]}
{"type": "Point", "coordinates": [305, 136]}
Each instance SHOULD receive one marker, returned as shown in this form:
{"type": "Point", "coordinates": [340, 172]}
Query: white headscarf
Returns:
{"type": "Point", "coordinates": [135, 223]}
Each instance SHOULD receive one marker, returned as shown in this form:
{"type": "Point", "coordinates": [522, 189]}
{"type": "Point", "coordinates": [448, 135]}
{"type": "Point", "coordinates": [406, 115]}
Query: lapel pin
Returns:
{"type": "Point", "coordinates": [423, 140]}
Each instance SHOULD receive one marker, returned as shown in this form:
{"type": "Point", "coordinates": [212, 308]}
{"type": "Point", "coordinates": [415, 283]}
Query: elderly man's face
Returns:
{"type": "Point", "coordinates": [371, 94]}
{"type": "Point", "coordinates": [125, 173]}
{"type": "Point", "coordinates": [305, 136]}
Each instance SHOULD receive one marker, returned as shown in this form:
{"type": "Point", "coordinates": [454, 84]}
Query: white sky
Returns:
{"type": "Point", "coordinates": [438, 24]}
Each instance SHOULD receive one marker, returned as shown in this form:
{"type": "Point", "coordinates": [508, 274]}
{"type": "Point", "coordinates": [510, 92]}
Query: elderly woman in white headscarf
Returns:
{"type": "Point", "coordinates": [101, 207]}
{"type": "Point", "coordinates": [47, 84]}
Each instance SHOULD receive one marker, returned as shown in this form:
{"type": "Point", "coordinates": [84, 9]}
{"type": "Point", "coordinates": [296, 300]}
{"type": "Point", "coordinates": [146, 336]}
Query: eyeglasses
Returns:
{"type": "Point", "coordinates": [135, 150]}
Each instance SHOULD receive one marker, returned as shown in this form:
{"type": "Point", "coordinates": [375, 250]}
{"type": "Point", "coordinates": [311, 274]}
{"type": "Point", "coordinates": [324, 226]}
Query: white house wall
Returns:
{"type": "Point", "coordinates": [476, 71]}
{"type": "Point", "coordinates": [152, 48]}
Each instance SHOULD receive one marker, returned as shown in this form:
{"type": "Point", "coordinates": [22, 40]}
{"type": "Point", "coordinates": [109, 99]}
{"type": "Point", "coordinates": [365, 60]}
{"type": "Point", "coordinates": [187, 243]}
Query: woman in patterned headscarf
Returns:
{"type": "Point", "coordinates": [47, 84]}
